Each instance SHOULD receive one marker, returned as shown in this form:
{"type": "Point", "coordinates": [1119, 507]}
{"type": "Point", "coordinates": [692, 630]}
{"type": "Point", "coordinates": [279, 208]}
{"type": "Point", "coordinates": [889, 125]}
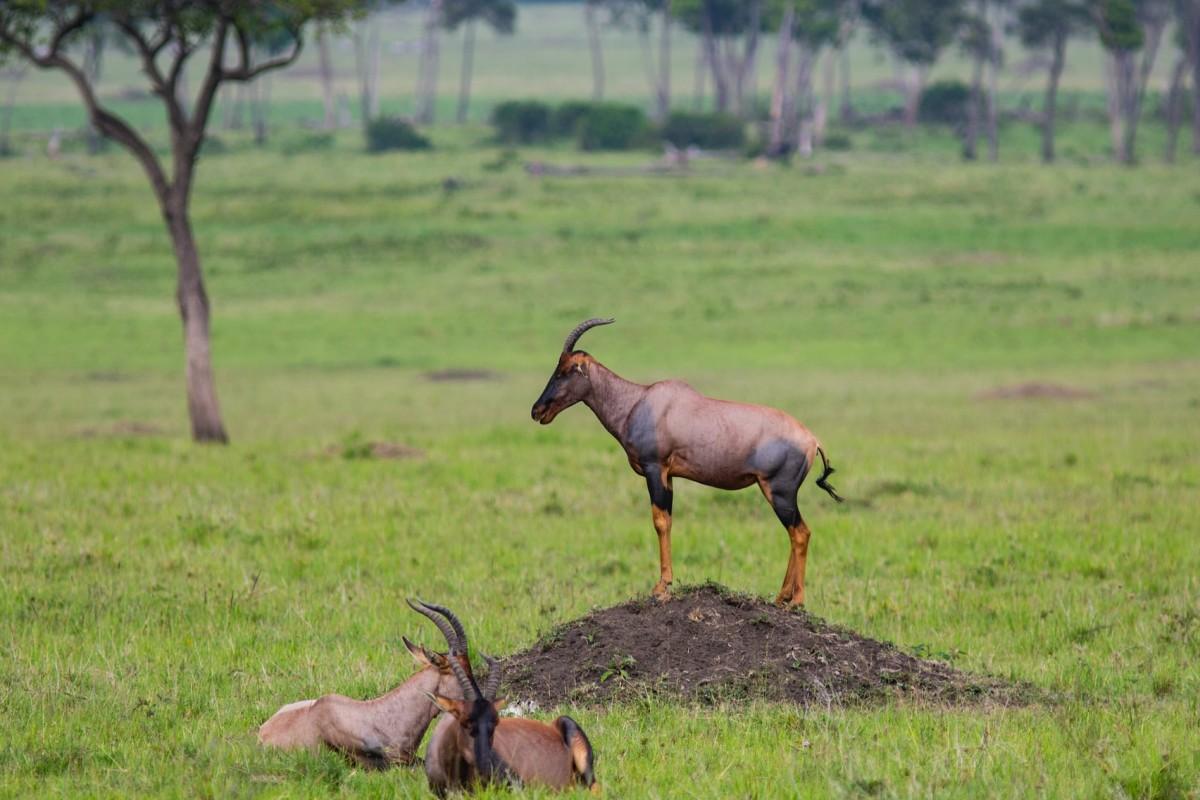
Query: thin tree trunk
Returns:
{"type": "Point", "coordinates": [325, 67]}
{"type": "Point", "coordinates": [464, 89]}
{"type": "Point", "coordinates": [914, 82]}
{"type": "Point", "coordinates": [1113, 66]}
{"type": "Point", "coordinates": [995, 43]}
{"type": "Point", "coordinates": [971, 134]}
{"type": "Point", "coordinates": [846, 109]}
{"type": "Point", "coordinates": [701, 75]}
{"type": "Point", "coordinates": [744, 69]}
{"type": "Point", "coordinates": [366, 62]}
{"type": "Point", "coordinates": [261, 108]}
{"type": "Point", "coordinates": [825, 101]}
{"type": "Point", "coordinates": [1193, 47]}
{"type": "Point", "coordinates": [426, 101]}
{"type": "Point", "coordinates": [16, 75]}
{"type": "Point", "coordinates": [593, 33]}
{"type": "Point", "coordinates": [712, 53]}
{"type": "Point", "coordinates": [801, 116]}
{"type": "Point", "coordinates": [1174, 101]}
{"type": "Point", "coordinates": [664, 63]}
{"type": "Point", "coordinates": [783, 54]}
{"type": "Point", "coordinates": [92, 62]}
{"type": "Point", "coordinates": [203, 409]}
{"type": "Point", "coordinates": [1050, 111]}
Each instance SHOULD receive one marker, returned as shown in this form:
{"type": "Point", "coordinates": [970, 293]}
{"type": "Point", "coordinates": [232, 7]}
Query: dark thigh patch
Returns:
{"type": "Point", "coordinates": [779, 460]}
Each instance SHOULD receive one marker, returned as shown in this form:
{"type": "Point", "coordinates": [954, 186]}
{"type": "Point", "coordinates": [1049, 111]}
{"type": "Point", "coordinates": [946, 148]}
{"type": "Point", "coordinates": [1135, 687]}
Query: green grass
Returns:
{"type": "Point", "coordinates": [159, 600]}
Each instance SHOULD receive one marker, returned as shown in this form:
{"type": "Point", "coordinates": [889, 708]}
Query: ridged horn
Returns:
{"type": "Point", "coordinates": [582, 328]}
{"type": "Point", "coordinates": [466, 682]}
{"type": "Point", "coordinates": [455, 623]}
{"type": "Point", "coordinates": [457, 647]}
{"type": "Point", "coordinates": [493, 679]}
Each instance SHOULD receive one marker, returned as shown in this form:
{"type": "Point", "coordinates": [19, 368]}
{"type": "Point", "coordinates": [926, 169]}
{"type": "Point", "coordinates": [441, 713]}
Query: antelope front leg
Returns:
{"type": "Point", "coordinates": [659, 484]}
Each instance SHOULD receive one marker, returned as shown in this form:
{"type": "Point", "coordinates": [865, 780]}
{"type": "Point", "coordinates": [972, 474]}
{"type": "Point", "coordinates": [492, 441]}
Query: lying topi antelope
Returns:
{"type": "Point", "coordinates": [473, 745]}
{"type": "Point", "coordinates": [385, 731]}
{"type": "Point", "coordinates": [669, 430]}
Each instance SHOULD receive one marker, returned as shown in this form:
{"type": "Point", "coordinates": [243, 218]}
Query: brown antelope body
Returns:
{"type": "Point", "coordinates": [669, 430]}
{"type": "Point", "coordinates": [384, 731]}
{"type": "Point", "coordinates": [473, 745]}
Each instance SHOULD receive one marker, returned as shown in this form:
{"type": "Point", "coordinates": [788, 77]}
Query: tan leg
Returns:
{"type": "Point", "coordinates": [799, 534]}
{"type": "Point", "coordinates": [789, 580]}
{"type": "Point", "coordinates": [662, 526]}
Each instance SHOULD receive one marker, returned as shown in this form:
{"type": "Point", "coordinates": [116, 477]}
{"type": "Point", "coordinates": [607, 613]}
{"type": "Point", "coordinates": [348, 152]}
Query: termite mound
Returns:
{"type": "Point", "coordinates": [710, 645]}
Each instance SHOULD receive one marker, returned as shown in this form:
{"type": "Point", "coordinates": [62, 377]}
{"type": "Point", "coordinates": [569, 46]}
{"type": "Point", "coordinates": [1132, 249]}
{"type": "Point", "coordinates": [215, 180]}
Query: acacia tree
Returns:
{"type": "Point", "coordinates": [1127, 27]}
{"type": "Point", "coordinates": [916, 31]}
{"type": "Point", "coordinates": [807, 26]}
{"type": "Point", "coordinates": [165, 35]}
{"type": "Point", "coordinates": [1049, 24]}
{"type": "Point", "coordinates": [500, 16]}
{"type": "Point", "coordinates": [640, 15]}
{"type": "Point", "coordinates": [1187, 15]}
{"type": "Point", "coordinates": [721, 26]}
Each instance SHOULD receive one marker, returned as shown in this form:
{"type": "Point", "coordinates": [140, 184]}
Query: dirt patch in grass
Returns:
{"type": "Point", "coordinates": [121, 429]}
{"type": "Point", "coordinates": [1034, 391]}
{"type": "Point", "coordinates": [384, 451]}
{"type": "Point", "coordinates": [461, 375]}
{"type": "Point", "coordinates": [709, 645]}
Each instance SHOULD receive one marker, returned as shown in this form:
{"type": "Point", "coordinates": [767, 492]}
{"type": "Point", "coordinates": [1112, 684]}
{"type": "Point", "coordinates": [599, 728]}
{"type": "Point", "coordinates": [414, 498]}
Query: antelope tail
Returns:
{"type": "Point", "coordinates": [823, 481]}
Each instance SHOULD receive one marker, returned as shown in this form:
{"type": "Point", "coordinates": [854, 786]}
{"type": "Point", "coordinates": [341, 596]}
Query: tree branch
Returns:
{"type": "Point", "coordinates": [247, 72]}
{"type": "Point", "coordinates": [164, 87]}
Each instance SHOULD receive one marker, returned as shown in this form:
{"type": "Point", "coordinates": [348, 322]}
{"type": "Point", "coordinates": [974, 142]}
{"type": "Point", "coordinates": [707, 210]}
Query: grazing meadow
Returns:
{"type": "Point", "coordinates": [1000, 360]}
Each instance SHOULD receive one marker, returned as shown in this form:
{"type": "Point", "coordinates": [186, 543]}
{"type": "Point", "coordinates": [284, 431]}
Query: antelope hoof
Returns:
{"type": "Point", "coordinates": [662, 592]}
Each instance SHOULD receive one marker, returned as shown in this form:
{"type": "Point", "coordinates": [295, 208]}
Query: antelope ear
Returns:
{"type": "Point", "coordinates": [418, 652]}
{"type": "Point", "coordinates": [452, 707]}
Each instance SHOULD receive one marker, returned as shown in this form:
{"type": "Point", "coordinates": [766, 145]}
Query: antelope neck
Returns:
{"type": "Point", "coordinates": [611, 398]}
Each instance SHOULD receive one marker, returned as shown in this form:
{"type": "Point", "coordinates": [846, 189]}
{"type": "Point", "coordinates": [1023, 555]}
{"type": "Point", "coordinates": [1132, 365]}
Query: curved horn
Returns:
{"type": "Point", "coordinates": [449, 632]}
{"type": "Point", "coordinates": [580, 329]}
{"type": "Point", "coordinates": [493, 679]}
{"type": "Point", "coordinates": [466, 682]}
{"type": "Point", "coordinates": [454, 623]}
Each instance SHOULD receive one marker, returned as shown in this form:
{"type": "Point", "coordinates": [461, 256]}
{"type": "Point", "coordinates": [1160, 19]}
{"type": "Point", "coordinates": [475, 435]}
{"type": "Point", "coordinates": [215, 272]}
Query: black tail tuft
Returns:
{"type": "Point", "coordinates": [822, 482]}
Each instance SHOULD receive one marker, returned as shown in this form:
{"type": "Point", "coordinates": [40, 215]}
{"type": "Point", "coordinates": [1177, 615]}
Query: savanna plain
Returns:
{"type": "Point", "coordinates": [1001, 361]}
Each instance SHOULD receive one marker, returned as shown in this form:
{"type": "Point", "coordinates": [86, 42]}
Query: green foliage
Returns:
{"type": "Point", "coordinates": [915, 30]}
{"type": "Point", "coordinates": [521, 121]}
{"type": "Point", "coordinates": [499, 15]}
{"type": "Point", "coordinates": [1040, 22]}
{"type": "Point", "coordinates": [838, 141]}
{"type": "Point", "coordinates": [1119, 26]}
{"type": "Point", "coordinates": [394, 133]}
{"type": "Point", "coordinates": [306, 142]}
{"type": "Point", "coordinates": [613, 126]}
{"type": "Point", "coordinates": [715, 131]}
{"type": "Point", "coordinates": [944, 103]}
{"type": "Point", "coordinates": [568, 115]}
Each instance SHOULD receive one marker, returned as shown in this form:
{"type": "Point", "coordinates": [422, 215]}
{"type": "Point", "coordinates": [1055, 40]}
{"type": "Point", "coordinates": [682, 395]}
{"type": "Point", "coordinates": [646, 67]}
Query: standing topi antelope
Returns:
{"type": "Point", "coordinates": [473, 745]}
{"type": "Point", "coordinates": [669, 430]}
{"type": "Point", "coordinates": [385, 731]}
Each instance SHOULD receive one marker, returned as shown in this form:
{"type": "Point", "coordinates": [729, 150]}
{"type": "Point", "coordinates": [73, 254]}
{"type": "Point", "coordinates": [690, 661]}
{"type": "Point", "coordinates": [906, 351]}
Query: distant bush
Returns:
{"type": "Point", "coordinates": [213, 146]}
{"type": "Point", "coordinates": [718, 131]}
{"type": "Point", "coordinates": [568, 115]}
{"type": "Point", "coordinates": [944, 103]}
{"type": "Point", "coordinates": [837, 140]}
{"type": "Point", "coordinates": [307, 143]}
{"type": "Point", "coordinates": [612, 126]}
{"type": "Point", "coordinates": [521, 121]}
{"type": "Point", "coordinates": [393, 133]}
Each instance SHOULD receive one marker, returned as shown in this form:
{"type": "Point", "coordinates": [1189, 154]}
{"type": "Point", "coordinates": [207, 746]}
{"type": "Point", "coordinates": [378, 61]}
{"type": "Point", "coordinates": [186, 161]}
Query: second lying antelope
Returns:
{"type": "Point", "coordinates": [387, 730]}
{"type": "Point", "coordinates": [473, 745]}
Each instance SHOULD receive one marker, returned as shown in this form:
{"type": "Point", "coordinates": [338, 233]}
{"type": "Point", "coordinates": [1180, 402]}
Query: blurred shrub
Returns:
{"type": "Point", "coordinates": [521, 121]}
{"type": "Point", "coordinates": [717, 131]}
{"type": "Point", "coordinates": [837, 140]}
{"type": "Point", "coordinates": [944, 103]}
{"type": "Point", "coordinates": [307, 143]}
{"type": "Point", "coordinates": [393, 133]}
{"type": "Point", "coordinates": [568, 115]}
{"type": "Point", "coordinates": [213, 146]}
{"type": "Point", "coordinates": [612, 126]}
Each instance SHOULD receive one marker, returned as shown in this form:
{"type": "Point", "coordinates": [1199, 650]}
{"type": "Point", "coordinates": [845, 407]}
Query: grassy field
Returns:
{"type": "Point", "coordinates": [158, 600]}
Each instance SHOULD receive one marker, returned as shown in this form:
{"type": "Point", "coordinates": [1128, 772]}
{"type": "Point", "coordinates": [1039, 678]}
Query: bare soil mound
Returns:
{"type": "Point", "coordinates": [708, 644]}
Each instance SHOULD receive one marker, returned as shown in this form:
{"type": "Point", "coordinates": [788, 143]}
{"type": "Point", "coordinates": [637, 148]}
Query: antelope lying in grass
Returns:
{"type": "Point", "coordinates": [385, 731]}
{"type": "Point", "coordinates": [473, 745]}
{"type": "Point", "coordinates": [669, 430]}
